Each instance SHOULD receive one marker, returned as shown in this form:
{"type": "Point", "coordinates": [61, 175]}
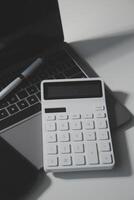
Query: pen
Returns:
{"type": "Point", "coordinates": [24, 75]}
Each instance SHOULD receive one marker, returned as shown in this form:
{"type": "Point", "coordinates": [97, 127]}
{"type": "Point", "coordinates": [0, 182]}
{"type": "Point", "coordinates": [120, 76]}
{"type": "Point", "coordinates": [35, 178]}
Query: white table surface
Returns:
{"type": "Point", "coordinates": [102, 33]}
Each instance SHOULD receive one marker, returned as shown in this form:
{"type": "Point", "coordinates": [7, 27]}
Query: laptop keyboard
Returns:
{"type": "Point", "coordinates": [25, 101]}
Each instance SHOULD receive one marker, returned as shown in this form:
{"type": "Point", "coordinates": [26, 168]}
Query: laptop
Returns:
{"type": "Point", "coordinates": [32, 29]}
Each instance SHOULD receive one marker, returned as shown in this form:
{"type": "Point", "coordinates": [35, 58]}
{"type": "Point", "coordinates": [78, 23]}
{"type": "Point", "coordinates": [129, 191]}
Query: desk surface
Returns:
{"type": "Point", "coordinates": [86, 25]}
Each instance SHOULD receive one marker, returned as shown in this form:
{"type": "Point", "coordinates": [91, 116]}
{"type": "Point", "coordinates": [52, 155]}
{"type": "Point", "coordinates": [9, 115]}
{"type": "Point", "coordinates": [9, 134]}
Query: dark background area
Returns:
{"type": "Point", "coordinates": [17, 175]}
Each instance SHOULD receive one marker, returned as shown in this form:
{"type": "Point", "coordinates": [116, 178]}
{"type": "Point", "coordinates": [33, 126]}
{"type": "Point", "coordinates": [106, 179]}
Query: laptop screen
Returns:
{"type": "Point", "coordinates": [27, 26]}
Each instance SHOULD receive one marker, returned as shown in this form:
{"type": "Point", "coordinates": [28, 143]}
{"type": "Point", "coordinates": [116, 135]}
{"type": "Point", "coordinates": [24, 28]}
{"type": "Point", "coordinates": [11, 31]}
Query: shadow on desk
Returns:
{"type": "Point", "coordinates": [19, 179]}
{"type": "Point", "coordinates": [106, 48]}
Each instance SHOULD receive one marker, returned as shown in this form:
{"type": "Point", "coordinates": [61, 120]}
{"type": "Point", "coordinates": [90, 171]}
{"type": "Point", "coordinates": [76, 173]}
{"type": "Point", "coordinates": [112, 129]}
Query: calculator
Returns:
{"type": "Point", "coordinates": [75, 126]}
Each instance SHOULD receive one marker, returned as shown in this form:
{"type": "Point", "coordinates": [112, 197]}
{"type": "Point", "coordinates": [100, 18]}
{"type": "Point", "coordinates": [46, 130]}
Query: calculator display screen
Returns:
{"type": "Point", "coordinates": [72, 90]}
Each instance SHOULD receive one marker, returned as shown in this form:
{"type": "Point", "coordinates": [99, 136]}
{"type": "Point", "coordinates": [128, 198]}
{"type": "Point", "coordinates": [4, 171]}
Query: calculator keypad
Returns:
{"type": "Point", "coordinates": [78, 140]}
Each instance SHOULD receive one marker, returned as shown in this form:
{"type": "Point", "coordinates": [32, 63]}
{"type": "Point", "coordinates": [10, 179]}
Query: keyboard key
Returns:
{"type": "Point", "coordinates": [3, 104]}
{"type": "Point", "coordinates": [91, 150]}
{"type": "Point", "coordinates": [51, 126]}
{"type": "Point", "coordinates": [32, 90]}
{"type": "Point", "coordinates": [89, 135]}
{"type": "Point", "coordinates": [65, 160]}
{"type": "Point", "coordinates": [13, 99]}
{"type": "Point", "coordinates": [101, 123]}
{"type": "Point", "coordinates": [76, 136]}
{"type": "Point", "coordinates": [52, 161]}
{"type": "Point", "coordinates": [22, 104]}
{"type": "Point", "coordinates": [22, 94]}
{"type": "Point", "coordinates": [106, 158]}
{"type": "Point", "coordinates": [79, 159]}
{"type": "Point", "coordinates": [75, 125]}
{"type": "Point", "coordinates": [62, 125]}
{"type": "Point", "coordinates": [51, 137]}
{"type": "Point", "coordinates": [102, 135]}
{"type": "Point", "coordinates": [78, 147]}
{"type": "Point", "coordinates": [75, 116]}
{"type": "Point", "coordinates": [52, 149]}
{"type": "Point", "coordinates": [104, 146]}
{"type": "Point", "coordinates": [32, 99]}
{"type": "Point", "coordinates": [65, 148]}
{"type": "Point", "coordinates": [3, 114]}
{"type": "Point", "coordinates": [63, 137]}
{"type": "Point", "coordinates": [88, 124]}
{"type": "Point", "coordinates": [12, 109]}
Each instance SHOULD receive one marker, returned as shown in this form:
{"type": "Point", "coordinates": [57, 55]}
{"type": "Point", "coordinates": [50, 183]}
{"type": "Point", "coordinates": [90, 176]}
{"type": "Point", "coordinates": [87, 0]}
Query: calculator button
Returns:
{"type": "Point", "coordinates": [100, 107]}
{"type": "Point", "coordinates": [62, 116]}
{"type": "Point", "coordinates": [92, 156]}
{"type": "Point", "coordinates": [88, 124]}
{"type": "Point", "coordinates": [101, 123]}
{"type": "Point", "coordinates": [65, 148]}
{"type": "Point", "coordinates": [104, 146]}
{"type": "Point", "coordinates": [52, 161]}
{"type": "Point", "coordinates": [63, 137]}
{"type": "Point", "coordinates": [87, 116]}
{"type": "Point", "coordinates": [89, 135]}
{"type": "Point", "coordinates": [106, 158]}
{"type": "Point", "coordinates": [75, 125]}
{"type": "Point", "coordinates": [51, 137]}
{"type": "Point", "coordinates": [50, 126]}
{"type": "Point", "coordinates": [62, 125]}
{"type": "Point", "coordinates": [52, 148]}
{"type": "Point", "coordinates": [79, 159]}
{"type": "Point", "coordinates": [50, 117]}
{"type": "Point", "coordinates": [65, 160]}
{"type": "Point", "coordinates": [76, 136]}
{"type": "Point", "coordinates": [78, 148]}
{"type": "Point", "coordinates": [75, 116]}
{"type": "Point", "coordinates": [102, 135]}
{"type": "Point", "coordinates": [100, 114]}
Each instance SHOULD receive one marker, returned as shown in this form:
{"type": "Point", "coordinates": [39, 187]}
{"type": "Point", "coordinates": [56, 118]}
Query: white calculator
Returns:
{"type": "Point", "coordinates": [75, 125]}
